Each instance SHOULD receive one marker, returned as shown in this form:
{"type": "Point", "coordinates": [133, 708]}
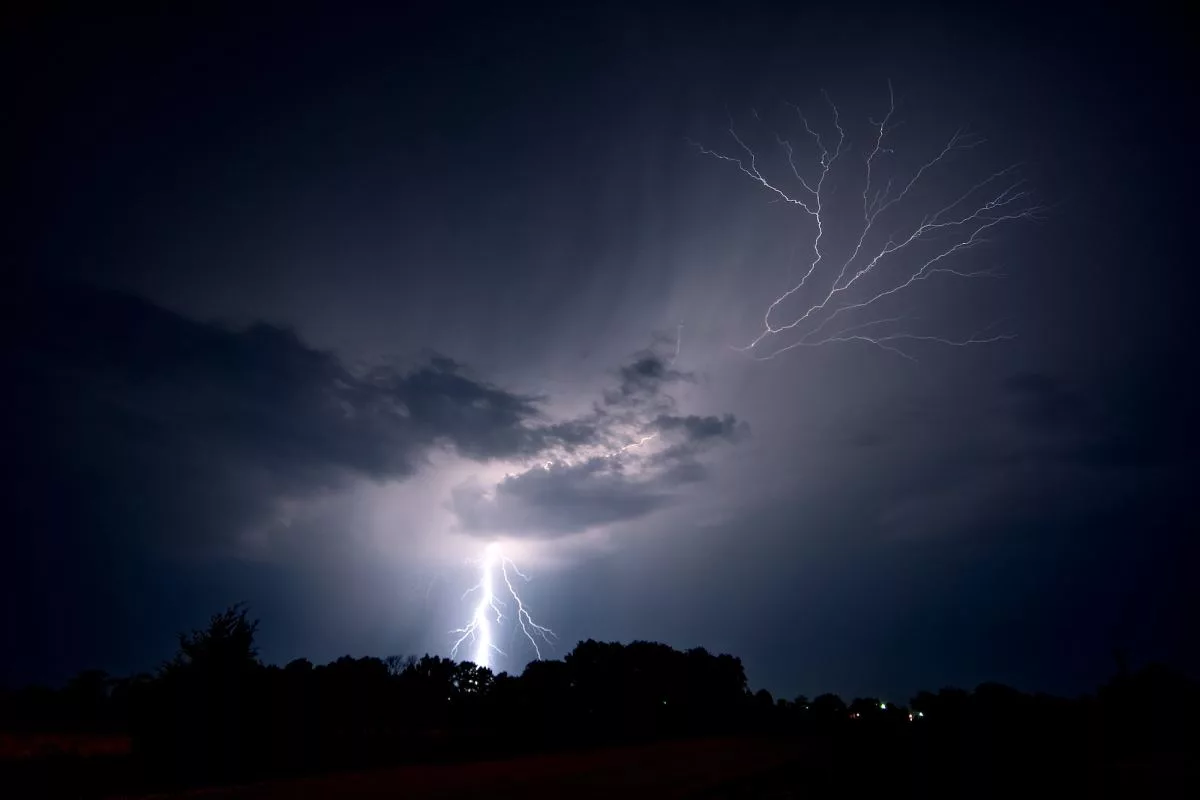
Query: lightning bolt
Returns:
{"type": "Point", "coordinates": [531, 629]}
{"type": "Point", "coordinates": [489, 609]}
{"type": "Point", "coordinates": [631, 446]}
{"type": "Point", "coordinates": [952, 229]}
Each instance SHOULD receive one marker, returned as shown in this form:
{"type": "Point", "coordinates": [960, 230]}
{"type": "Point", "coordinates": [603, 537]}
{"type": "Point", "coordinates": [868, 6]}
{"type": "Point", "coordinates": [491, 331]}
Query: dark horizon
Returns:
{"type": "Point", "coordinates": [306, 309]}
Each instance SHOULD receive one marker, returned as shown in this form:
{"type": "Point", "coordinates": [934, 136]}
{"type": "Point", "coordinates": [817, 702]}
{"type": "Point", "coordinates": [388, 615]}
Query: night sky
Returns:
{"type": "Point", "coordinates": [303, 310]}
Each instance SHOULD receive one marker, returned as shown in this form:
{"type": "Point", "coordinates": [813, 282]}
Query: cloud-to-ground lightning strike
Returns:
{"type": "Point", "coordinates": [953, 228]}
{"type": "Point", "coordinates": [490, 608]}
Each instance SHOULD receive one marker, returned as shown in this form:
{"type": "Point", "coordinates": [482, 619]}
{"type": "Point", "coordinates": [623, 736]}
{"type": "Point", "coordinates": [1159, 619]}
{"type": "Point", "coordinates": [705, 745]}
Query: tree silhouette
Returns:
{"type": "Point", "coordinates": [203, 713]}
{"type": "Point", "coordinates": [214, 712]}
{"type": "Point", "coordinates": [226, 646]}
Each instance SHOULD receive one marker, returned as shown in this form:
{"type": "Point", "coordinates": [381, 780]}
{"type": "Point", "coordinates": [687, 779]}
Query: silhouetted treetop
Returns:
{"type": "Point", "coordinates": [226, 645]}
{"type": "Point", "coordinates": [215, 712]}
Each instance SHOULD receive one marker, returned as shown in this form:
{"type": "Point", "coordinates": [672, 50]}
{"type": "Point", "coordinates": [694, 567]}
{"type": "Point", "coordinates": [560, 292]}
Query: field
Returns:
{"type": "Point", "coordinates": [33, 745]}
{"type": "Point", "coordinates": [704, 768]}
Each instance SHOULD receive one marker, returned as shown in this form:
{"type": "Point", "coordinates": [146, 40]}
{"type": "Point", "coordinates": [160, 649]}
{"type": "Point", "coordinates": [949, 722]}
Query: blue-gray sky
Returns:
{"type": "Point", "coordinates": [307, 307]}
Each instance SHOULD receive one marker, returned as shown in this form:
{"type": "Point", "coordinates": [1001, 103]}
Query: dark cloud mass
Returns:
{"type": "Point", "coordinates": [224, 422]}
{"type": "Point", "coordinates": [642, 381]}
{"type": "Point", "coordinates": [211, 427]}
{"type": "Point", "coordinates": [700, 429]}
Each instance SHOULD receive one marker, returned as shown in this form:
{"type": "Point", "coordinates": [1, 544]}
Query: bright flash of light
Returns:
{"type": "Point", "coordinates": [490, 609]}
{"type": "Point", "coordinates": [639, 442]}
{"type": "Point", "coordinates": [949, 229]}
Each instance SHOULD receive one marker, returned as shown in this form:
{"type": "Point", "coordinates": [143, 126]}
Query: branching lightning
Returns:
{"type": "Point", "coordinates": [493, 602]}
{"type": "Point", "coordinates": [858, 282]}
{"type": "Point", "coordinates": [490, 609]}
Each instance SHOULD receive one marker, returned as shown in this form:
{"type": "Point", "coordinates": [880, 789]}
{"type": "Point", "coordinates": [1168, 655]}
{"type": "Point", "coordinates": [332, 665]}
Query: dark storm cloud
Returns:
{"type": "Point", "coordinates": [700, 429]}
{"type": "Point", "coordinates": [642, 381]}
{"type": "Point", "coordinates": [202, 428]}
{"type": "Point", "coordinates": [439, 402]}
{"type": "Point", "coordinates": [688, 437]}
{"type": "Point", "coordinates": [570, 434]}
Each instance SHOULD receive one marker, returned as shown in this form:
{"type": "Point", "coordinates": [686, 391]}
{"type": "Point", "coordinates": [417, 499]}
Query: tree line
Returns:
{"type": "Point", "coordinates": [216, 713]}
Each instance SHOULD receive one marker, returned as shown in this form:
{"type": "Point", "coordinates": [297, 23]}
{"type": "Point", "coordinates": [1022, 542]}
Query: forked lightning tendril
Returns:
{"type": "Point", "coordinates": [951, 229]}
{"type": "Point", "coordinates": [490, 608]}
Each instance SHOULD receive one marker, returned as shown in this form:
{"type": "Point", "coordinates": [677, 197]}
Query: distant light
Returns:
{"type": "Point", "coordinates": [920, 713]}
{"type": "Point", "coordinates": [910, 717]}
{"type": "Point", "coordinates": [883, 706]}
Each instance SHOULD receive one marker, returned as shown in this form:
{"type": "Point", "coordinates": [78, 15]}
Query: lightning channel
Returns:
{"type": "Point", "coordinates": [489, 610]}
{"type": "Point", "coordinates": [942, 236]}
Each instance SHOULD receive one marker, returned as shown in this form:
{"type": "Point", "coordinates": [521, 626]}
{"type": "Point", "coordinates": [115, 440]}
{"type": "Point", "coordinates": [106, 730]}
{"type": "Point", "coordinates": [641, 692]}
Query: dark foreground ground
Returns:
{"type": "Point", "coordinates": [703, 768]}
{"type": "Point", "coordinates": [730, 767]}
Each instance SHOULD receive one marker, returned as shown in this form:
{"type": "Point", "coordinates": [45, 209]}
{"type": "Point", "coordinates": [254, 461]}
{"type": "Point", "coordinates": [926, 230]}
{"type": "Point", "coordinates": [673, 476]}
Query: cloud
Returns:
{"type": "Point", "coordinates": [131, 419]}
{"type": "Point", "coordinates": [646, 457]}
{"type": "Point", "coordinates": [560, 499]}
{"type": "Point", "coordinates": [138, 424]}
{"type": "Point", "coordinates": [701, 429]}
{"type": "Point", "coordinates": [642, 382]}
